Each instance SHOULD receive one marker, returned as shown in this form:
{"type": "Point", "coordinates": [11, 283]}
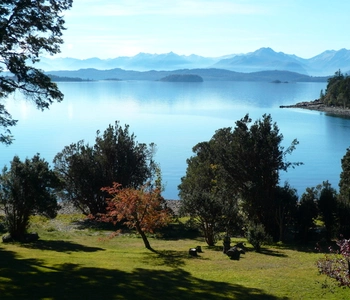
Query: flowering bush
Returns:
{"type": "Point", "coordinates": [337, 264]}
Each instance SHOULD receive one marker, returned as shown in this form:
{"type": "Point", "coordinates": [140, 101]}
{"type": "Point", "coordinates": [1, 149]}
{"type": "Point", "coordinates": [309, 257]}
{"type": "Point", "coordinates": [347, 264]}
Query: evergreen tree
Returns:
{"type": "Point", "coordinates": [307, 212]}
{"type": "Point", "coordinates": [327, 204]}
{"type": "Point", "coordinates": [248, 159]}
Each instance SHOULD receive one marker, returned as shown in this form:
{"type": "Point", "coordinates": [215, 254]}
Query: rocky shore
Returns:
{"type": "Point", "coordinates": [318, 105]}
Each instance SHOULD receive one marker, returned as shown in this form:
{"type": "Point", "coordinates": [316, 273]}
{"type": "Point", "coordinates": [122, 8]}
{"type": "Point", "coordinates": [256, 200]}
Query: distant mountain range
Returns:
{"type": "Point", "coordinates": [263, 59]}
{"type": "Point", "coordinates": [206, 74]}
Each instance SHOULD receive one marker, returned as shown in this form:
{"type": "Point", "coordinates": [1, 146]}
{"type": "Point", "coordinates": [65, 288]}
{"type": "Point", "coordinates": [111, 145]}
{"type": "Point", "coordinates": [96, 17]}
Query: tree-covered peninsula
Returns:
{"type": "Point", "coordinates": [338, 91]}
{"type": "Point", "coordinates": [334, 100]}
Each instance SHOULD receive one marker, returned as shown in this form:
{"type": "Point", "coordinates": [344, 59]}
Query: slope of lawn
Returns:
{"type": "Point", "coordinates": [78, 262]}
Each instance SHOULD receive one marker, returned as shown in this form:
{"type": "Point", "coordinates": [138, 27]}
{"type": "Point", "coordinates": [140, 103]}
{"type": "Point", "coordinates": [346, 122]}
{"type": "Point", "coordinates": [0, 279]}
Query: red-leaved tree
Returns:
{"type": "Point", "coordinates": [143, 209]}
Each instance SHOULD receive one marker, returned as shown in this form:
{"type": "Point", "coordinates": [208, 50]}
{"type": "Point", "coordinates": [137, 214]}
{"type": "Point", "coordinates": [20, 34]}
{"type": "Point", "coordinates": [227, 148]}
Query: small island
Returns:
{"type": "Point", "coordinates": [336, 99]}
{"type": "Point", "coordinates": [278, 81]}
{"type": "Point", "coordinates": [182, 78]}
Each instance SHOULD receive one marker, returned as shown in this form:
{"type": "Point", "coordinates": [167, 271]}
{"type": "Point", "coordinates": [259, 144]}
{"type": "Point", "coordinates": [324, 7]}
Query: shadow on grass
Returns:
{"type": "Point", "coordinates": [98, 225]}
{"type": "Point", "coordinates": [310, 247]}
{"type": "Point", "coordinates": [60, 246]}
{"type": "Point", "coordinates": [31, 279]}
{"type": "Point", "coordinates": [271, 252]}
{"type": "Point", "coordinates": [170, 258]}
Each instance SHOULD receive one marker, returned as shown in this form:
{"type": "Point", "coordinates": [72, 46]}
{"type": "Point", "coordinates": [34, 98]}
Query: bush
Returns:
{"type": "Point", "coordinates": [257, 236]}
{"type": "Point", "coordinates": [337, 264]}
{"type": "Point", "coordinates": [27, 189]}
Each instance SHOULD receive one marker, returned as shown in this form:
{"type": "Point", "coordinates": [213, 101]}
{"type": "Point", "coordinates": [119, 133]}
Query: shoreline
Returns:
{"type": "Point", "coordinates": [318, 105]}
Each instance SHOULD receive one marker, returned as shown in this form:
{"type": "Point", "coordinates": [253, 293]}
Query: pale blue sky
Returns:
{"type": "Point", "coordinates": [112, 28]}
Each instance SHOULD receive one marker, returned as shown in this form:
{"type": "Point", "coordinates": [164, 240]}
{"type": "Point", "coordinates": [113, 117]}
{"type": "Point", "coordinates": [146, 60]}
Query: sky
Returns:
{"type": "Point", "coordinates": [211, 28]}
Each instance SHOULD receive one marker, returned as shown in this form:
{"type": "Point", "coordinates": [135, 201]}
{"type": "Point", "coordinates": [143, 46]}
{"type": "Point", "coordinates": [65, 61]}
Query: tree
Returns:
{"type": "Point", "coordinates": [344, 183]}
{"type": "Point", "coordinates": [142, 209]}
{"type": "Point", "coordinates": [122, 158]}
{"type": "Point", "coordinates": [286, 199]}
{"type": "Point", "coordinates": [82, 178]}
{"type": "Point", "coordinates": [307, 212]}
{"type": "Point", "coordinates": [252, 156]}
{"type": "Point", "coordinates": [344, 195]}
{"type": "Point", "coordinates": [262, 158]}
{"type": "Point", "coordinates": [115, 157]}
{"type": "Point", "coordinates": [327, 204]}
{"type": "Point", "coordinates": [247, 160]}
{"type": "Point", "coordinates": [27, 188]}
{"type": "Point", "coordinates": [205, 195]}
{"type": "Point", "coordinates": [27, 29]}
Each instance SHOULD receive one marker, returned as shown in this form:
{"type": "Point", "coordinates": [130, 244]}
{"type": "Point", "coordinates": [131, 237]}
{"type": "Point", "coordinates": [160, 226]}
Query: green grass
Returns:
{"type": "Point", "coordinates": [82, 263]}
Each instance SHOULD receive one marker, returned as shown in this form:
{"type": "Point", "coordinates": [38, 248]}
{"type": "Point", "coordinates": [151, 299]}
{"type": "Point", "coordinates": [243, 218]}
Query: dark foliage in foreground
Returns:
{"type": "Point", "coordinates": [27, 29]}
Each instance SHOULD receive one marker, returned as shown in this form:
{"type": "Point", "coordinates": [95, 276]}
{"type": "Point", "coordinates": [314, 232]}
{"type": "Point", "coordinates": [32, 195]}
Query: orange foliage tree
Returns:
{"type": "Point", "coordinates": [143, 209]}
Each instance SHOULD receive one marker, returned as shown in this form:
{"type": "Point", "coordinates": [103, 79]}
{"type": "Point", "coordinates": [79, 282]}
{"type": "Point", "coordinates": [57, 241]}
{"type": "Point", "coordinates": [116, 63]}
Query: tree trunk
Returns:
{"type": "Point", "coordinates": [144, 237]}
{"type": "Point", "coordinates": [209, 235]}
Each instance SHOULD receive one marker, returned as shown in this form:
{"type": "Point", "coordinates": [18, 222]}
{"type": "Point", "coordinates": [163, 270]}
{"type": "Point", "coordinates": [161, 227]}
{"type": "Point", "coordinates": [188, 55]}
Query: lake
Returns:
{"type": "Point", "coordinates": [177, 116]}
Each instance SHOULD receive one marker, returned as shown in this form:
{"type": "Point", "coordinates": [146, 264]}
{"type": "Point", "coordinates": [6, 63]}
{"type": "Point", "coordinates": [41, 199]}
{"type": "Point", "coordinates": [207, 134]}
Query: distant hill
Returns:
{"type": "Point", "coordinates": [263, 59]}
{"type": "Point", "coordinates": [65, 79]}
{"type": "Point", "coordinates": [205, 74]}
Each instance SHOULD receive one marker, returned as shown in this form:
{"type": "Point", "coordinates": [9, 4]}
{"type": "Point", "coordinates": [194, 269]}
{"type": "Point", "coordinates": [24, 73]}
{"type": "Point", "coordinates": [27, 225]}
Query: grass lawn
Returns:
{"type": "Point", "coordinates": [81, 263]}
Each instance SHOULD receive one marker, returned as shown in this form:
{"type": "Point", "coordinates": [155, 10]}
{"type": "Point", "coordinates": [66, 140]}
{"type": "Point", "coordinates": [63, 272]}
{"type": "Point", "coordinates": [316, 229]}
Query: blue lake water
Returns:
{"type": "Point", "coordinates": [177, 116]}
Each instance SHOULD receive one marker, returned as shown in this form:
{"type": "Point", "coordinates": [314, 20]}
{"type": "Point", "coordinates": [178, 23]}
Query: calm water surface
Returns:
{"type": "Point", "coordinates": [177, 116]}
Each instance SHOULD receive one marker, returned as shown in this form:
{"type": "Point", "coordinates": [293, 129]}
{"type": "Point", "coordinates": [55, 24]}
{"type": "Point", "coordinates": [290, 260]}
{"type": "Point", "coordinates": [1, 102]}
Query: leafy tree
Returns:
{"type": "Point", "coordinates": [252, 155]}
{"type": "Point", "coordinates": [122, 158]}
{"type": "Point", "coordinates": [142, 209]}
{"type": "Point", "coordinates": [307, 212]}
{"type": "Point", "coordinates": [248, 159]}
{"type": "Point", "coordinates": [205, 195]}
{"type": "Point", "coordinates": [27, 29]}
{"type": "Point", "coordinates": [115, 157]}
{"type": "Point", "coordinates": [27, 188]}
{"type": "Point", "coordinates": [263, 158]}
{"type": "Point", "coordinates": [327, 204]}
{"type": "Point", "coordinates": [81, 177]}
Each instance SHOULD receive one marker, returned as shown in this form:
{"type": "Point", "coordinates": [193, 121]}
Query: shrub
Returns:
{"type": "Point", "coordinates": [27, 189]}
{"type": "Point", "coordinates": [337, 264]}
{"type": "Point", "coordinates": [257, 236]}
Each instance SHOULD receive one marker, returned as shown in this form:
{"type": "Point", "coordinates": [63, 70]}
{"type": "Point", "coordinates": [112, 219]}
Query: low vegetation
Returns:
{"type": "Point", "coordinates": [76, 261]}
